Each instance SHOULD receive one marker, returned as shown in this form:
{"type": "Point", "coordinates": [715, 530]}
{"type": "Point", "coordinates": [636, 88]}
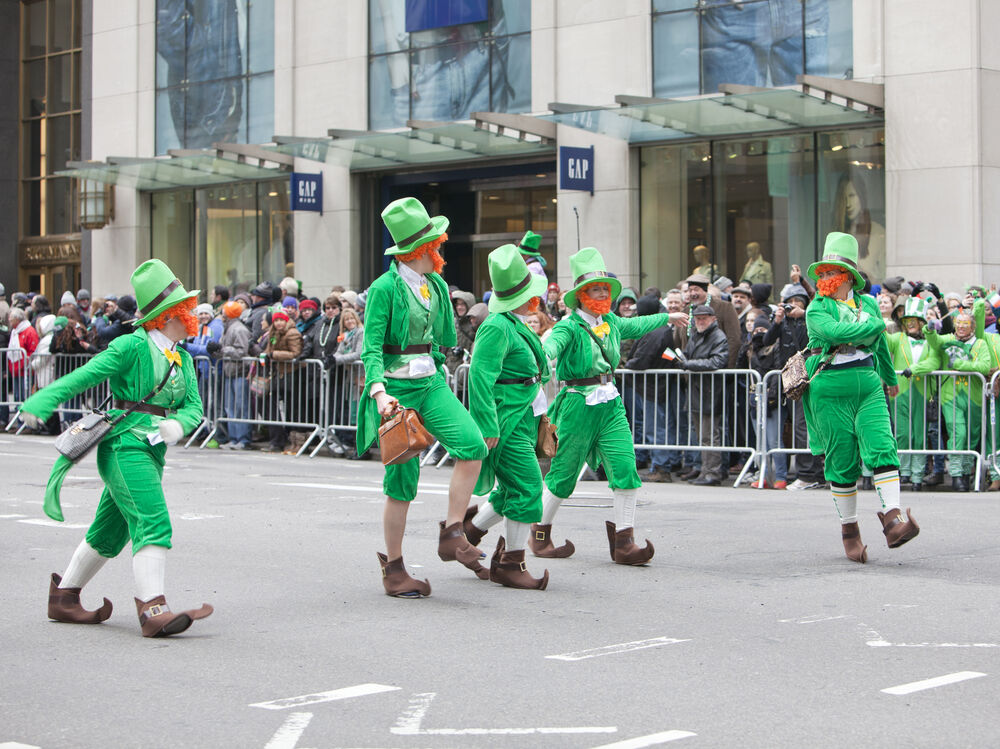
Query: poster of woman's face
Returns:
{"type": "Point", "coordinates": [854, 213]}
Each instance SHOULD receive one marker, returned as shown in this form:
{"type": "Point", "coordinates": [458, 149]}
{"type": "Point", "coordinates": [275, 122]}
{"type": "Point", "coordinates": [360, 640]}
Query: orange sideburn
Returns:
{"type": "Point", "coordinates": [182, 310]}
{"type": "Point", "coordinates": [432, 248]}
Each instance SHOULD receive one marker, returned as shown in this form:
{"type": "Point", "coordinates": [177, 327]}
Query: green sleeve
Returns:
{"type": "Point", "coordinates": [637, 327]}
{"type": "Point", "coordinates": [980, 361]}
{"type": "Point", "coordinates": [378, 308]}
{"type": "Point", "coordinates": [488, 355]}
{"type": "Point", "coordinates": [824, 328]}
{"type": "Point", "coordinates": [559, 338]}
{"type": "Point", "coordinates": [120, 356]}
{"type": "Point", "coordinates": [883, 362]}
{"type": "Point", "coordinates": [979, 314]}
{"type": "Point", "coordinates": [191, 413]}
{"type": "Point", "coordinates": [893, 342]}
{"type": "Point", "coordinates": [930, 358]}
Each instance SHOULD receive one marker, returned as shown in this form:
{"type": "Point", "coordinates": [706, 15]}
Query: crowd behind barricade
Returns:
{"type": "Point", "coordinates": [703, 395]}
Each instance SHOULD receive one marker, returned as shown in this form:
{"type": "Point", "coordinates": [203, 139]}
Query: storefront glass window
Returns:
{"type": "Point", "coordinates": [172, 232]}
{"type": "Point", "coordinates": [444, 61]}
{"type": "Point", "coordinates": [699, 45]}
{"type": "Point", "coordinates": [207, 56]}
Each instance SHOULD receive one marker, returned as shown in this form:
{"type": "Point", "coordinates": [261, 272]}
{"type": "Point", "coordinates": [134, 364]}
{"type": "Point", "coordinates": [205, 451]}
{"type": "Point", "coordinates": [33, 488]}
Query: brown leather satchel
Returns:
{"type": "Point", "coordinates": [548, 441]}
{"type": "Point", "coordinates": [402, 436]}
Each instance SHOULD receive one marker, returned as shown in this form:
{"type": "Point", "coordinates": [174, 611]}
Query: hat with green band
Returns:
{"type": "Point", "coordinates": [513, 283]}
{"type": "Point", "coordinates": [586, 267]}
{"type": "Point", "coordinates": [841, 250]}
{"type": "Point", "coordinates": [157, 289]}
{"type": "Point", "coordinates": [410, 226]}
{"type": "Point", "coordinates": [915, 307]}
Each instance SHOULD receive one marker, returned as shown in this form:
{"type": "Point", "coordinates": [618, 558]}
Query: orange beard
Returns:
{"type": "Point", "coordinates": [181, 310]}
{"type": "Point", "coordinates": [534, 304]}
{"type": "Point", "coordinates": [828, 286]}
{"type": "Point", "coordinates": [429, 247]}
{"type": "Point", "coordinates": [594, 307]}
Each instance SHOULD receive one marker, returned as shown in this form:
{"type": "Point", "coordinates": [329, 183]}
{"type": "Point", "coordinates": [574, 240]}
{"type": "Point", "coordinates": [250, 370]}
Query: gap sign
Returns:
{"type": "Point", "coordinates": [307, 192]}
{"type": "Point", "coordinates": [576, 168]}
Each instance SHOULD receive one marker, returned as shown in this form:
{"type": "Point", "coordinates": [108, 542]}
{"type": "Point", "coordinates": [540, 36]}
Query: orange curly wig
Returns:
{"type": "Point", "coordinates": [182, 310]}
{"type": "Point", "coordinates": [428, 247]}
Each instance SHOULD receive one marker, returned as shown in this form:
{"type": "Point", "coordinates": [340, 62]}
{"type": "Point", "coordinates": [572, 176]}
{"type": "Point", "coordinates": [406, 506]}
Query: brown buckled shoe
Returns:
{"type": "Point", "coordinates": [157, 620]}
{"type": "Point", "coordinates": [897, 531]}
{"type": "Point", "coordinates": [855, 550]}
{"type": "Point", "coordinates": [472, 532]}
{"type": "Point", "coordinates": [541, 543]}
{"type": "Point", "coordinates": [626, 551]}
{"type": "Point", "coordinates": [454, 546]}
{"type": "Point", "coordinates": [508, 569]}
{"type": "Point", "coordinates": [397, 581]}
{"type": "Point", "coordinates": [64, 605]}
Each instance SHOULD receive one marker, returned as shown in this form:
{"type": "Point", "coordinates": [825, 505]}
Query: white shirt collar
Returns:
{"type": "Point", "coordinates": [589, 318]}
{"type": "Point", "coordinates": [410, 276]}
{"type": "Point", "coordinates": [157, 337]}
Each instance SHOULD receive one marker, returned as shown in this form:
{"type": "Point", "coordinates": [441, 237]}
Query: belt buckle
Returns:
{"type": "Point", "coordinates": [606, 379]}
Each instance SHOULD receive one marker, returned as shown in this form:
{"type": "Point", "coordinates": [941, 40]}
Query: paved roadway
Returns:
{"type": "Point", "coordinates": [749, 629]}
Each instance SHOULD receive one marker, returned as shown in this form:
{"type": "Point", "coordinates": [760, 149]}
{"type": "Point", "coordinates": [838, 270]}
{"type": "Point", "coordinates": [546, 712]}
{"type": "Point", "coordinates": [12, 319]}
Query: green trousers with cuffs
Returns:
{"type": "Point", "coordinates": [963, 416]}
{"type": "Point", "coordinates": [518, 492]}
{"type": "Point", "coordinates": [444, 417]}
{"type": "Point", "coordinates": [911, 432]}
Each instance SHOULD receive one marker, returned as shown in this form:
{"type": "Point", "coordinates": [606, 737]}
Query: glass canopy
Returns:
{"type": "Point", "coordinates": [189, 170]}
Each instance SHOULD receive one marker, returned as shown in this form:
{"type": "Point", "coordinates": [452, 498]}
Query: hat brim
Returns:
{"type": "Point", "coordinates": [535, 287]}
{"type": "Point", "coordinates": [859, 282]}
{"type": "Point", "coordinates": [616, 289]}
{"type": "Point", "coordinates": [178, 295]}
{"type": "Point", "coordinates": [440, 223]}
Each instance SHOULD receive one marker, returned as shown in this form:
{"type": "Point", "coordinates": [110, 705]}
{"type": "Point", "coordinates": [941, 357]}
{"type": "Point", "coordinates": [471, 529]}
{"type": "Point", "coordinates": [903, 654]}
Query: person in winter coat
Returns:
{"type": "Point", "coordinates": [283, 345]}
{"type": "Point", "coordinates": [43, 362]}
{"type": "Point", "coordinates": [755, 354]}
{"type": "Point", "coordinates": [115, 320]}
{"type": "Point", "coordinates": [235, 346]}
{"type": "Point", "coordinates": [208, 339]}
{"type": "Point", "coordinates": [465, 331]}
{"type": "Point", "coordinates": [261, 296]}
{"type": "Point", "coordinates": [309, 317]}
{"type": "Point", "coordinates": [22, 344]}
{"type": "Point", "coordinates": [351, 378]}
{"type": "Point", "coordinates": [706, 351]}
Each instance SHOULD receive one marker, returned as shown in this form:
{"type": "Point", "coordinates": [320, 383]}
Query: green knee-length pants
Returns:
{"type": "Point", "coordinates": [518, 492]}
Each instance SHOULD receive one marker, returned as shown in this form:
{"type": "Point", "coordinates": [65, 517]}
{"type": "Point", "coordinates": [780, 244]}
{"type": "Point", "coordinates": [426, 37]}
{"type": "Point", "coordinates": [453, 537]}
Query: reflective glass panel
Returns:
{"type": "Point", "coordinates": [60, 98]}
{"type": "Point", "coordinates": [388, 91]}
{"type": "Point", "coordinates": [33, 151]}
{"type": "Point", "coordinates": [58, 206]}
{"type": "Point", "coordinates": [226, 234]}
{"type": "Point", "coordinates": [172, 237]}
{"type": "Point", "coordinates": [215, 112]}
{"type": "Point", "coordinates": [34, 89]}
{"type": "Point", "coordinates": [512, 16]}
{"type": "Point", "coordinates": [260, 128]}
{"type": "Point", "coordinates": [61, 25]}
{"type": "Point", "coordinates": [172, 22]}
{"type": "Point", "coordinates": [59, 131]}
{"type": "Point", "coordinates": [33, 209]}
{"type": "Point", "coordinates": [276, 231]}
{"type": "Point", "coordinates": [261, 35]}
{"type": "Point", "coordinates": [512, 74]}
{"type": "Point", "coordinates": [450, 82]}
{"type": "Point", "coordinates": [469, 33]}
{"type": "Point", "coordinates": [675, 54]}
{"type": "Point", "coordinates": [35, 28]}
{"type": "Point", "coordinates": [169, 119]}
{"type": "Point", "coordinates": [662, 5]}
{"type": "Point", "coordinates": [215, 44]}
{"type": "Point", "coordinates": [387, 26]}
{"type": "Point", "coordinates": [830, 38]}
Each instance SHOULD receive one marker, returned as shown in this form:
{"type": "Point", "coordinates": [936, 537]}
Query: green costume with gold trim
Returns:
{"type": "Point", "coordinates": [910, 405]}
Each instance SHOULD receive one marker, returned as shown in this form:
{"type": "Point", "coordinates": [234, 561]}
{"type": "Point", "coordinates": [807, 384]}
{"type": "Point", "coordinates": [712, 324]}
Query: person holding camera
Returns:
{"type": "Point", "coordinates": [114, 321]}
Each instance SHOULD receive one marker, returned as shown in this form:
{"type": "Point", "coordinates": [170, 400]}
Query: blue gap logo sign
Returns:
{"type": "Point", "coordinates": [576, 168]}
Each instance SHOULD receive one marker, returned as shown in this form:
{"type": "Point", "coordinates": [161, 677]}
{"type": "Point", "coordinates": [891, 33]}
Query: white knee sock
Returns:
{"type": "Point", "coordinates": [149, 567]}
{"type": "Point", "coordinates": [550, 505]}
{"type": "Point", "coordinates": [517, 534]}
{"type": "Point", "coordinates": [887, 488]}
{"type": "Point", "coordinates": [846, 502]}
{"type": "Point", "coordinates": [486, 518]}
{"type": "Point", "coordinates": [625, 501]}
{"type": "Point", "coordinates": [86, 563]}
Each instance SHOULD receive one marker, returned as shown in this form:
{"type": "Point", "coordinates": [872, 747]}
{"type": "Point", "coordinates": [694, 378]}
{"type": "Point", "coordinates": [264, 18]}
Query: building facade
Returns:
{"type": "Point", "coordinates": [750, 129]}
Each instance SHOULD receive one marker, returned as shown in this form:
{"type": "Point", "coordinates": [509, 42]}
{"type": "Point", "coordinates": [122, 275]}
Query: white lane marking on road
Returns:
{"type": "Point", "coordinates": [622, 647]}
{"type": "Point", "coordinates": [83, 478]}
{"type": "Point", "coordinates": [11, 516]}
{"type": "Point", "coordinates": [813, 619]}
{"type": "Point", "coordinates": [17, 745]}
{"type": "Point", "coordinates": [937, 681]}
{"type": "Point", "coordinates": [884, 644]}
{"type": "Point", "coordinates": [291, 730]}
{"type": "Point", "coordinates": [409, 721]}
{"type": "Point", "coordinates": [651, 740]}
{"type": "Point", "coordinates": [348, 488]}
{"type": "Point", "coordinates": [196, 516]}
{"type": "Point", "coordinates": [47, 522]}
{"type": "Point", "coordinates": [359, 690]}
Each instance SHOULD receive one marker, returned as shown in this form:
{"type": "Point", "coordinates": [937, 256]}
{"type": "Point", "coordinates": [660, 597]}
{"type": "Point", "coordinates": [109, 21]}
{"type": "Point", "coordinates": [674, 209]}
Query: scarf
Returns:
{"type": "Point", "coordinates": [17, 353]}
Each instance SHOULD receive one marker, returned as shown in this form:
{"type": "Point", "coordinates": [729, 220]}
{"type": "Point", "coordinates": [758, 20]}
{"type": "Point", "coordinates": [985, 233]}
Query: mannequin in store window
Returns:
{"type": "Point", "coordinates": [852, 216]}
{"type": "Point", "coordinates": [757, 269]}
{"type": "Point", "coordinates": [704, 266]}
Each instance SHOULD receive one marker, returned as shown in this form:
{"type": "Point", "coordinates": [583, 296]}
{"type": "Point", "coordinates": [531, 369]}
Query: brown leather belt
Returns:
{"type": "Point", "coordinates": [604, 379]}
{"type": "Point", "coordinates": [520, 380]}
{"type": "Point", "coordinates": [843, 349]}
{"type": "Point", "coordinates": [416, 348]}
{"type": "Point", "coordinates": [143, 408]}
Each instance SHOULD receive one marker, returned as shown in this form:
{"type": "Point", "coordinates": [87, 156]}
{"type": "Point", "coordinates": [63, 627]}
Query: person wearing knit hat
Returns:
{"type": "Point", "coordinates": [284, 345]}
{"type": "Point", "coordinates": [506, 400]}
{"type": "Point", "coordinates": [349, 298]}
{"type": "Point", "coordinates": [145, 366]}
{"type": "Point", "coordinates": [235, 346]}
{"type": "Point", "coordinates": [208, 340]}
{"type": "Point", "coordinates": [588, 411]}
{"type": "Point", "coordinates": [408, 318]}
{"type": "Point", "coordinates": [67, 298]}
{"type": "Point", "coordinates": [844, 404]}
{"type": "Point", "coordinates": [290, 287]}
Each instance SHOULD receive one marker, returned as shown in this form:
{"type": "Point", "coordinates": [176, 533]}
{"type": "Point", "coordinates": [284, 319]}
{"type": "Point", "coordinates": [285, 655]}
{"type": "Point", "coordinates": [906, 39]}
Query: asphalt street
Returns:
{"type": "Point", "coordinates": [749, 628]}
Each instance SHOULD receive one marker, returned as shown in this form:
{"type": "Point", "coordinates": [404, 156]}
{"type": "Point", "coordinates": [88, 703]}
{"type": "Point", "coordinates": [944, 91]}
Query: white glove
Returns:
{"type": "Point", "coordinates": [171, 431]}
{"type": "Point", "coordinates": [31, 421]}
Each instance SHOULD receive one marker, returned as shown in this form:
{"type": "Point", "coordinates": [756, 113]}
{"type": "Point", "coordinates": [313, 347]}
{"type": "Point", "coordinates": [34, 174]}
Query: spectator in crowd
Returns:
{"type": "Point", "coordinates": [83, 303]}
{"type": "Point", "coordinates": [540, 322]}
{"type": "Point", "coordinates": [40, 307]}
{"type": "Point", "coordinates": [72, 337]}
{"type": "Point", "coordinates": [309, 318]}
{"type": "Point", "coordinates": [209, 332]}
{"type": "Point", "coordinates": [723, 312]}
{"type": "Point", "coordinates": [43, 363]}
{"type": "Point", "coordinates": [461, 302]}
{"type": "Point", "coordinates": [625, 304]}
{"type": "Point", "coordinates": [67, 298]}
{"type": "Point", "coordinates": [725, 286]}
{"type": "Point", "coordinates": [234, 348]}
{"type": "Point", "coordinates": [345, 359]}
{"type": "Point", "coordinates": [320, 342]}
{"type": "Point", "coordinates": [762, 357]}
{"type": "Point", "coordinates": [552, 297]}
{"type": "Point", "coordinates": [4, 306]}
{"type": "Point", "coordinates": [22, 344]}
{"type": "Point", "coordinates": [349, 300]}
{"type": "Point", "coordinates": [465, 330]}
{"type": "Point", "coordinates": [115, 320]}
{"type": "Point", "coordinates": [220, 295]}
{"type": "Point", "coordinates": [760, 294]}
{"type": "Point", "coordinates": [707, 350]}
{"type": "Point", "coordinates": [291, 307]}
{"type": "Point", "coordinates": [886, 303]}
{"type": "Point", "coordinates": [290, 287]}
{"type": "Point", "coordinates": [284, 343]}
{"type": "Point", "coordinates": [742, 302]}
{"type": "Point", "coordinates": [261, 297]}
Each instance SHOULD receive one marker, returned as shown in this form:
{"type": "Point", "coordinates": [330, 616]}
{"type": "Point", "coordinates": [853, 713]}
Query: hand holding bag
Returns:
{"type": "Point", "coordinates": [402, 437]}
{"type": "Point", "coordinates": [548, 440]}
{"type": "Point", "coordinates": [794, 377]}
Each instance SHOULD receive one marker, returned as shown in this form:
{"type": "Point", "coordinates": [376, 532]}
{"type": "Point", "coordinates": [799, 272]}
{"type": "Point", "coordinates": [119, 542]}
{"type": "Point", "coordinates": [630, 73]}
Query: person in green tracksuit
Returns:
{"type": "Point", "coordinates": [908, 349]}
{"type": "Point", "coordinates": [845, 406]}
{"type": "Point", "coordinates": [130, 458]}
{"type": "Point", "coordinates": [408, 318]}
{"type": "Point", "coordinates": [506, 400]}
{"type": "Point", "coordinates": [588, 411]}
{"type": "Point", "coordinates": [961, 397]}
{"type": "Point", "coordinates": [993, 348]}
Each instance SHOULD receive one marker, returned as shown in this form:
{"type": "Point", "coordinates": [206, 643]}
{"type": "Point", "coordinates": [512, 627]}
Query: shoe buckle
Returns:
{"type": "Point", "coordinates": [384, 572]}
{"type": "Point", "coordinates": [155, 610]}
{"type": "Point", "coordinates": [539, 535]}
{"type": "Point", "coordinates": [524, 567]}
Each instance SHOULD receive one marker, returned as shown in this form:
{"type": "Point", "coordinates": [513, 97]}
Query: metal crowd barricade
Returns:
{"type": "Point", "coordinates": [61, 365]}
{"type": "Point", "coordinates": [15, 384]}
{"type": "Point", "coordinates": [774, 411]}
{"type": "Point", "coordinates": [342, 385]}
{"type": "Point", "coordinates": [209, 378]}
{"type": "Point", "coordinates": [991, 444]}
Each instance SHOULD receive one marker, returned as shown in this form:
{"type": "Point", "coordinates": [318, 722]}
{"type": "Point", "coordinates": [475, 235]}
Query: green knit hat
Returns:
{"type": "Point", "coordinates": [513, 283]}
{"type": "Point", "coordinates": [841, 250]}
{"type": "Point", "coordinates": [410, 226]}
{"type": "Point", "coordinates": [587, 266]}
{"type": "Point", "coordinates": [156, 289]}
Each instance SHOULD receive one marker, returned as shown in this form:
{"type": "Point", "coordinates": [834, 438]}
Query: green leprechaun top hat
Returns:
{"type": "Point", "coordinates": [410, 226]}
{"type": "Point", "coordinates": [841, 250]}
{"type": "Point", "coordinates": [915, 307]}
{"type": "Point", "coordinates": [529, 245]}
{"type": "Point", "coordinates": [587, 266]}
{"type": "Point", "coordinates": [513, 283]}
{"type": "Point", "coordinates": [156, 289]}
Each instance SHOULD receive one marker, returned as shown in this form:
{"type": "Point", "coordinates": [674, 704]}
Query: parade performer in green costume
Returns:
{"type": "Point", "coordinates": [506, 400]}
{"type": "Point", "coordinates": [845, 405]}
{"type": "Point", "coordinates": [961, 397]}
{"type": "Point", "coordinates": [588, 411]}
{"type": "Point", "coordinates": [408, 318]}
{"type": "Point", "coordinates": [908, 349]}
{"type": "Point", "coordinates": [993, 347]}
{"type": "Point", "coordinates": [130, 458]}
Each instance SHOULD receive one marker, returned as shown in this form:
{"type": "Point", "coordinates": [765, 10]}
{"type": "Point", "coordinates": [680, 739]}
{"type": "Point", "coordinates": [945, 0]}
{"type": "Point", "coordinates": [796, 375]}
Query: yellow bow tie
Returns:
{"type": "Point", "coordinates": [172, 356]}
{"type": "Point", "coordinates": [601, 330]}
{"type": "Point", "coordinates": [425, 292]}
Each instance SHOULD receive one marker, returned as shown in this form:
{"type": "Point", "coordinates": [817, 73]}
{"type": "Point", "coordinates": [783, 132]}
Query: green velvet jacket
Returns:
{"type": "Point", "coordinates": [827, 330]}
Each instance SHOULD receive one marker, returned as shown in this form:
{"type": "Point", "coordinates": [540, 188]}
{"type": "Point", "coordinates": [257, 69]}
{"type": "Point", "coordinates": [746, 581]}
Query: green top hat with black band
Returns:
{"type": "Point", "coordinates": [529, 245]}
{"type": "Point", "coordinates": [587, 266]}
{"type": "Point", "coordinates": [841, 250]}
{"type": "Point", "coordinates": [410, 226]}
{"type": "Point", "coordinates": [156, 289]}
{"type": "Point", "coordinates": [513, 283]}
{"type": "Point", "coordinates": [915, 307]}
